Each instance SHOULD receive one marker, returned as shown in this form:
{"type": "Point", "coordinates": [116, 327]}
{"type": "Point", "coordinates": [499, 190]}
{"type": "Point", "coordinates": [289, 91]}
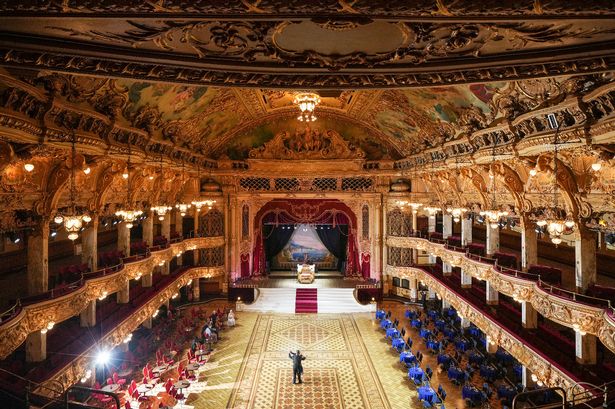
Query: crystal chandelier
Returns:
{"type": "Point", "coordinates": [432, 210]}
{"type": "Point", "coordinates": [72, 221]}
{"type": "Point", "coordinates": [128, 215]}
{"type": "Point", "coordinates": [494, 215]}
{"type": "Point", "coordinates": [456, 212]}
{"type": "Point", "coordinates": [306, 101]}
{"type": "Point", "coordinates": [183, 208]}
{"type": "Point", "coordinates": [404, 203]}
{"type": "Point", "coordinates": [161, 210]}
{"type": "Point", "coordinates": [198, 204]}
{"type": "Point", "coordinates": [555, 219]}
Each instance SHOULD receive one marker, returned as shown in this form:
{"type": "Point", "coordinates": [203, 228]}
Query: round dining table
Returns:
{"type": "Point", "coordinates": [415, 373]}
{"type": "Point", "coordinates": [380, 314]}
{"type": "Point", "coordinates": [112, 387]}
{"type": "Point", "coordinates": [392, 332]}
{"type": "Point", "coordinates": [426, 393]}
{"type": "Point", "coordinates": [425, 333]}
{"type": "Point", "coordinates": [456, 373]}
{"type": "Point", "coordinates": [488, 372]}
{"type": "Point", "coordinates": [407, 357]}
{"type": "Point", "coordinates": [472, 393]}
{"type": "Point", "coordinates": [416, 323]}
{"type": "Point", "coordinates": [410, 314]}
{"type": "Point", "coordinates": [192, 367]}
{"type": "Point", "coordinates": [384, 324]}
{"type": "Point", "coordinates": [179, 385]}
{"type": "Point", "coordinates": [433, 345]}
{"type": "Point", "coordinates": [144, 388]}
{"type": "Point", "coordinates": [398, 342]}
{"type": "Point", "coordinates": [475, 358]}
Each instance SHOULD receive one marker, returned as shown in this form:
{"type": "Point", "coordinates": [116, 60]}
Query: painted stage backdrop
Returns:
{"type": "Point", "coordinates": [304, 246]}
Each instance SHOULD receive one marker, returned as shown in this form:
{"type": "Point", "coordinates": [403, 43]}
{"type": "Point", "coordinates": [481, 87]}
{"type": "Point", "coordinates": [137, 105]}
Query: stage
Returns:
{"type": "Point", "coordinates": [293, 274]}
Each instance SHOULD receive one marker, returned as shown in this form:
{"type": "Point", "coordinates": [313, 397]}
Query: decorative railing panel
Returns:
{"type": "Point", "coordinates": [74, 371]}
{"type": "Point", "coordinates": [531, 359]}
{"type": "Point", "coordinates": [574, 311]}
{"type": "Point", "coordinates": [34, 317]}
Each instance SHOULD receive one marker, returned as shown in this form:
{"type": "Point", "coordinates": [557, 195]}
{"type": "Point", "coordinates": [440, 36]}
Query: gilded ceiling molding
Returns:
{"type": "Point", "coordinates": [550, 374]}
{"type": "Point", "coordinates": [75, 370]}
{"type": "Point", "coordinates": [512, 183]}
{"type": "Point", "coordinates": [570, 313]}
{"type": "Point", "coordinates": [34, 317]}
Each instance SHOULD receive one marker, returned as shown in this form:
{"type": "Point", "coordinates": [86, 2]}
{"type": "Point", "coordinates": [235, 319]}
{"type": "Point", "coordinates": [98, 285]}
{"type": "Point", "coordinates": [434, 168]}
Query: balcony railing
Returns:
{"type": "Point", "coordinates": [531, 358]}
{"type": "Point", "coordinates": [32, 314]}
{"type": "Point", "coordinates": [591, 315]}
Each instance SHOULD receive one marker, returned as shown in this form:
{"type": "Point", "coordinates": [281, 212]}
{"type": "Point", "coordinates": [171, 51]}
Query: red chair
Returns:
{"type": "Point", "coordinates": [118, 380]}
{"type": "Point", "coordinates": [109, 381]}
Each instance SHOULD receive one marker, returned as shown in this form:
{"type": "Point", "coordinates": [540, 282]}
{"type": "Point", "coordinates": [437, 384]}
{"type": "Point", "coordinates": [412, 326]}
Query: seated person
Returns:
{"type": "Point", "coordinates": [231, 319]}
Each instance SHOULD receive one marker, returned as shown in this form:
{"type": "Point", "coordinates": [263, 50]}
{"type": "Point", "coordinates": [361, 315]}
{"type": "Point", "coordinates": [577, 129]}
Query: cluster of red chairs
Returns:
{"type": "Point", "coordinates": [70, 274]}
{"type": "Point", "coordinates": [506, 259]}
{"type": "Point", "coordinates": [110, 258]}
{"type": "Point", "coordinates": [547, 274]}
{"type": "Point", "coordinates": [140, 247]}
{"type": "Point", "coordinates": [160, 241]}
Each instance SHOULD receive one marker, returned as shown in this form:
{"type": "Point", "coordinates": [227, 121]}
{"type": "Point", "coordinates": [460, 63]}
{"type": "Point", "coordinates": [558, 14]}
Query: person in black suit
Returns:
{"type": "Point", "coordinates": [297, 366]}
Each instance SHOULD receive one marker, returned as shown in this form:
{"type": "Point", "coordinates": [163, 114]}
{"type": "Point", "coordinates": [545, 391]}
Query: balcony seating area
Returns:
{"type": "Point", "coordinates": [110, 258]}
{"type": "Point", "coordinates": [160, 241]}
{"type": "Point", "coordinates": [600, 291]}
{"type": "Point", "coordinates": [559, 349]}
{"type": "Point", "coordinates": [454, 241]}
{"type": "Point", "coordinates": [67, 339]}
{"type": "Point", "coordinates": [506, 259]}
{"type": "Point", "coordinates": [139, 248]}
{"type": "Point", "coordinates": [547, 274]}
{"type": "Point", "coordinates": [67, 275]}
{"type": "Point", "coordinates": [476, 248]}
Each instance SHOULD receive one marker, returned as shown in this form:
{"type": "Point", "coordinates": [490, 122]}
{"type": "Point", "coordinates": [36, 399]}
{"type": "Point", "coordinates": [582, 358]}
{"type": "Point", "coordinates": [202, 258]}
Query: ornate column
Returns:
{"type": "Point", "coordinates": [123, 295]}
{"type": "Point", "coordinates": [88, 315]}
{"type": "Point", "coordinates": [196, 253]}
{"type": "Point", "coordinates": [147, 323]}
{"type": "Point", "coordinates": [196, 289]}
{"type": "Point", "coordinates": [179, 229]}
{"type": "Point", "coordinates": [431, 228]}
{"type": "Point", "coordinates": [386, 278]}
{"type": "Point", "coordinates": [36, 347]}
{"type": "Point", "coordinates": [165, 227]}
{"type": "Point", "coordinates": [466, 231]}
{"type": "Point", "coordinates": [466, 280]}
{"type": "Point", "coordinates": [529, 243]}
{"type": "Point", "coordinates": [38, 258]}
{"type": "Point", "coordinates": [376, 268]}
{"type": "Point", "coordinates": [415, 252]}
{"type": "Point", "coordinates": [123, 238]}
{"type": "Point", "coordinates": [447, 225]}
{"type": "Point", "coordinates": [413, 289]}
{"type": "Point", "coordinates": [492, 295]}
{"type": "Point", "coordinates": [529, 316]}
{"type": "Point", "coordinates": [89, 241]}
{"type": "Point", "coordinates": [147, 280]}
{"type": "Point", "coordinates": [431, 294]}
{"type": "Point", "coordinates": [585, 258]}
{"type": "Point", "coordinates": [445, 304]}
{"type": "Point", "coordinates": [585, 348]}
{"type": "Point", "coordinates": [235, 231]}
{"type": "Point", "coordinates": [493, 239]}
{"type": "Point", "coordinates": [148, 228]}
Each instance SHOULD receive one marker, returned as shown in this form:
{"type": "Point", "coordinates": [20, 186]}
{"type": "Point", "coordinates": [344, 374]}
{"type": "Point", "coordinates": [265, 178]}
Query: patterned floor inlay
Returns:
{"type": "Point", "coordinates": [320, 390]}
{"type": "Point", "coordinates": [338, 372]}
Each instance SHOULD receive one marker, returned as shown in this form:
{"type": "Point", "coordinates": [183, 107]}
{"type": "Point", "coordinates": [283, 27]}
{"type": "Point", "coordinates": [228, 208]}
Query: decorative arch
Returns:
{"type": "Point", "coordinates": [308, 211]}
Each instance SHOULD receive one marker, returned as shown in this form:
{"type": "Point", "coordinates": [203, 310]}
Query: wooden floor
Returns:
{"type": "Point", "coordinates": [349, 365]}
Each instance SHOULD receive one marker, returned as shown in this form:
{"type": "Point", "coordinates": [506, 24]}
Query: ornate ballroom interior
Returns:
{"type": "Point", "coordinates": [418, 195]}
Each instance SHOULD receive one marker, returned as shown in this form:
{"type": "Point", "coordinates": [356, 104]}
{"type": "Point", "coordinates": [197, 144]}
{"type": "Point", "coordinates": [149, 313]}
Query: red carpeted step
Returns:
{"type": "Point", "coordinates": [306, 300]}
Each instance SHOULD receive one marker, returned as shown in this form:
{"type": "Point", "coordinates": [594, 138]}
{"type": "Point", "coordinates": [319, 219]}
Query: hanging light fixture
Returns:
{"type": "Point", "coordinates": [183, 207]}
{"type": "Point", "coordinates": [198, 204]}
{"type": "Point", "coordinates": [456, 212]}
{"type": "Point", "coordinates": [127, 214]}
{"type": "Point", "coordinates": [555, 219]}
{"type": "Point", "coordinates": [161, 210]}
{"type": "Point", "coordinates": [306, 101]}
{"type": "Point", "coordinates": [432, 210]}
{"type": "Point", "coordinates": [494, 215]}
{"type": "Point", "coordinates": [72, 221]}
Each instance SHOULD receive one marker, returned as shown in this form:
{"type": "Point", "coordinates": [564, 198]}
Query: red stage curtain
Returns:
{"type": "Point", "coordinates": [307, 211]}
{"type": "Point", "coordinates": [245, 265]}
{"type": "Point", "coordinates": [365, 264]}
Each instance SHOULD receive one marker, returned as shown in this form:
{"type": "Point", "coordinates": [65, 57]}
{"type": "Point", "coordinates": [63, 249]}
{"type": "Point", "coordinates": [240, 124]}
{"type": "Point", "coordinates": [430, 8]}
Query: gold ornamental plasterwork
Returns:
{"type": "Point", "coordinates": [551, 375]}
{"type": "Point", "coordinates": [35, 317]}
{"type": "Point", "coordinates": [74, 371]}
{"type": "Point", "coordinates": [592, 320]}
